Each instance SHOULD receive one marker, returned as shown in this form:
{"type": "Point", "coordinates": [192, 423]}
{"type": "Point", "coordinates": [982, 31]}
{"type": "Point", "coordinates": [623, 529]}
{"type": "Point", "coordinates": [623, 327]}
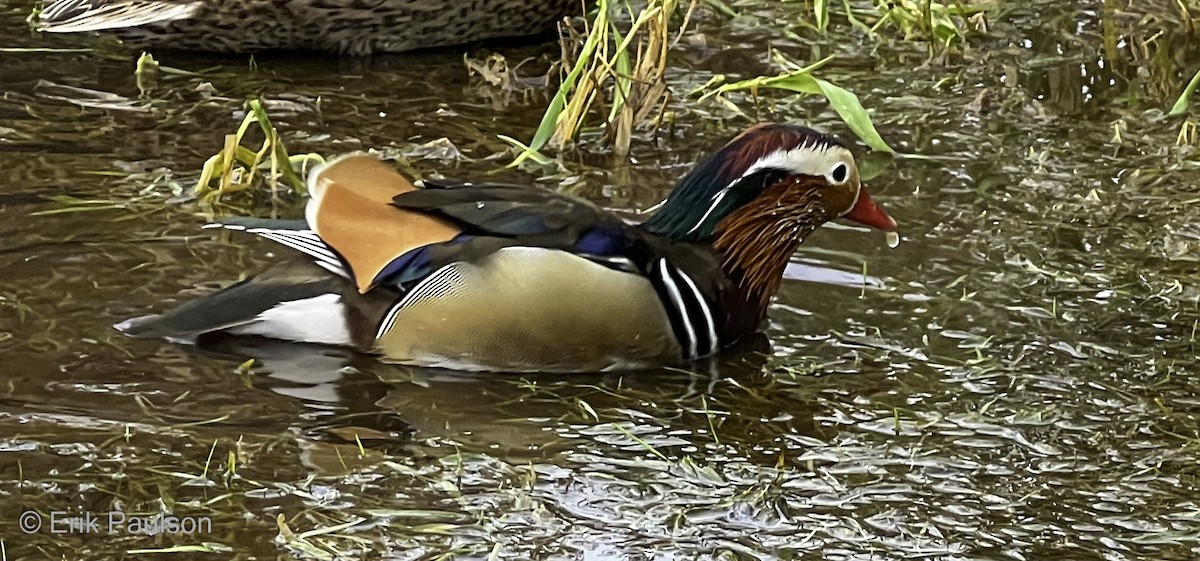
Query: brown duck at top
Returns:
{"type": "Point", "coordinates": [345, 26]}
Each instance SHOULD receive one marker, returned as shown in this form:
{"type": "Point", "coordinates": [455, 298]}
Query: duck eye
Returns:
{"type": "Point", "coordinates": [839, 173]}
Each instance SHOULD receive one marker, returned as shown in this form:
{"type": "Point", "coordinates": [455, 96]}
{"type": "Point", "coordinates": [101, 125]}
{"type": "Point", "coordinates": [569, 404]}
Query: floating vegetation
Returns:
{"type": "Point", "coordinates": [496, 73]}
{"type": "Point", "coordinates": [146, 73]}
{"type": "Point", "coordinates": [238, 168]}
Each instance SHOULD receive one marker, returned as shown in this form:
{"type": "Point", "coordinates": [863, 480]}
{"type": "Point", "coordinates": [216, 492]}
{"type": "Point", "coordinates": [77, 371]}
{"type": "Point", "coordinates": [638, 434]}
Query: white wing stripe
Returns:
{"type": "Point", "coordinates": [336, 269]}
{"type": "Point", "coordinates": [323, 257]}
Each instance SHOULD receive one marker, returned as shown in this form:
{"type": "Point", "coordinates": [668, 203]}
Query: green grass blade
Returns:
{"type": "Point", "coordinates": [624, 84]}
{"type": "Point", "coordinates": [526, 152]}
{"type": "Point", "coordinates": [1181, 105]}
{"type": "Point", "coordinates": [722, 7]}
{"type": "Point", "coordinates": [855, 21]}
{"type": "Point", "coordinates": [205, 547]}
{"type": "Point", "coordinates": [797, 81]}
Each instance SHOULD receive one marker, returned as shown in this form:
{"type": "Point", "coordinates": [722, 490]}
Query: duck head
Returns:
{"type": "Point", "coordinates": [763, 193]}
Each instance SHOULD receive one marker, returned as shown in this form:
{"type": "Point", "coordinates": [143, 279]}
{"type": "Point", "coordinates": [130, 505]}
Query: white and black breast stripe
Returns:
{"type": "Point", "coordinates": [304, 241]}
{"type": "Point", "coordinates": [389, 319]}
{"type": "Point", "coordinates": [417, 292]}
{"type": "Point", "coordinates": [689, 313]}
{"type": "Point", "coordinates": [615, 263]}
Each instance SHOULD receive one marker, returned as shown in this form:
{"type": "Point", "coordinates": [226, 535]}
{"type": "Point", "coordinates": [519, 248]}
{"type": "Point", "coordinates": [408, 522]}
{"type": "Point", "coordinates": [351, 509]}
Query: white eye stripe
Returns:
{"type": "Point", "coordinates": [813, 159]}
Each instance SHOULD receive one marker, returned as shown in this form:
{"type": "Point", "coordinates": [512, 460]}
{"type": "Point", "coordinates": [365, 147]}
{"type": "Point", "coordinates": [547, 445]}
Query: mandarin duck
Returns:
{"type": "Point", "coordinates": [519, 278]}
{"type": "Point", "coordinates": [347, 26]}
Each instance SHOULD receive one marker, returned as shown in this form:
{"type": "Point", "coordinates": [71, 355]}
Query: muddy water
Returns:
{"type": "Point", "coordinates": [1015, 383]}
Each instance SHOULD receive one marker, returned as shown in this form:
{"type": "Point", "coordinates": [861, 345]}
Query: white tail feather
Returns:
{"type": "Point", "coordinates": [320, 319]}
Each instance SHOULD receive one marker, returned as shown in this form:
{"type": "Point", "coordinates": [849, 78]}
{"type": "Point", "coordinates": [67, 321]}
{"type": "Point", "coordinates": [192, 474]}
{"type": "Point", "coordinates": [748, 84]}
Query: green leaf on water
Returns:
{"type": "Point", "coordinates": [854, 114]}
{"type": "Point", "coordinates": [873, 164]}
{"type": "Point", "coordinates": [844, 102]}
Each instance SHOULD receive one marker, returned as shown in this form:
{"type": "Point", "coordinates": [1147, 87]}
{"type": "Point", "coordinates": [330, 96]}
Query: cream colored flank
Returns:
{"type": "Point", "coordinates": [522, 305]}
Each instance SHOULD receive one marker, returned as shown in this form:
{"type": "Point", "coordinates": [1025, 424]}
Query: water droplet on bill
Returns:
{"type": "Point", "coordinates": [892, 239]}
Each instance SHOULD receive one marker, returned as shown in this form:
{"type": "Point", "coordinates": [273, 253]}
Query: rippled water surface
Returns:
{"type": "Point", "coordinates": [1015, 381]}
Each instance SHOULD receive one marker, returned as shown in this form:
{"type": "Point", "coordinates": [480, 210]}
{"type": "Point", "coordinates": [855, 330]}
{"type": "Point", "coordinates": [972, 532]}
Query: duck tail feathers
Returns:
{"type": "Point", "coordinates": [294, 302]}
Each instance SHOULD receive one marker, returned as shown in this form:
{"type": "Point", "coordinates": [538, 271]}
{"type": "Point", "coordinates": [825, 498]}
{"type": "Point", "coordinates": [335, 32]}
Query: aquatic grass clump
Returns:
{"type": "Point", "coordinates": [625, 68]}
{"type": "Point", "coordinates": [238, 168]}
{"type": "Point", "coordinates": [941, 25]}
